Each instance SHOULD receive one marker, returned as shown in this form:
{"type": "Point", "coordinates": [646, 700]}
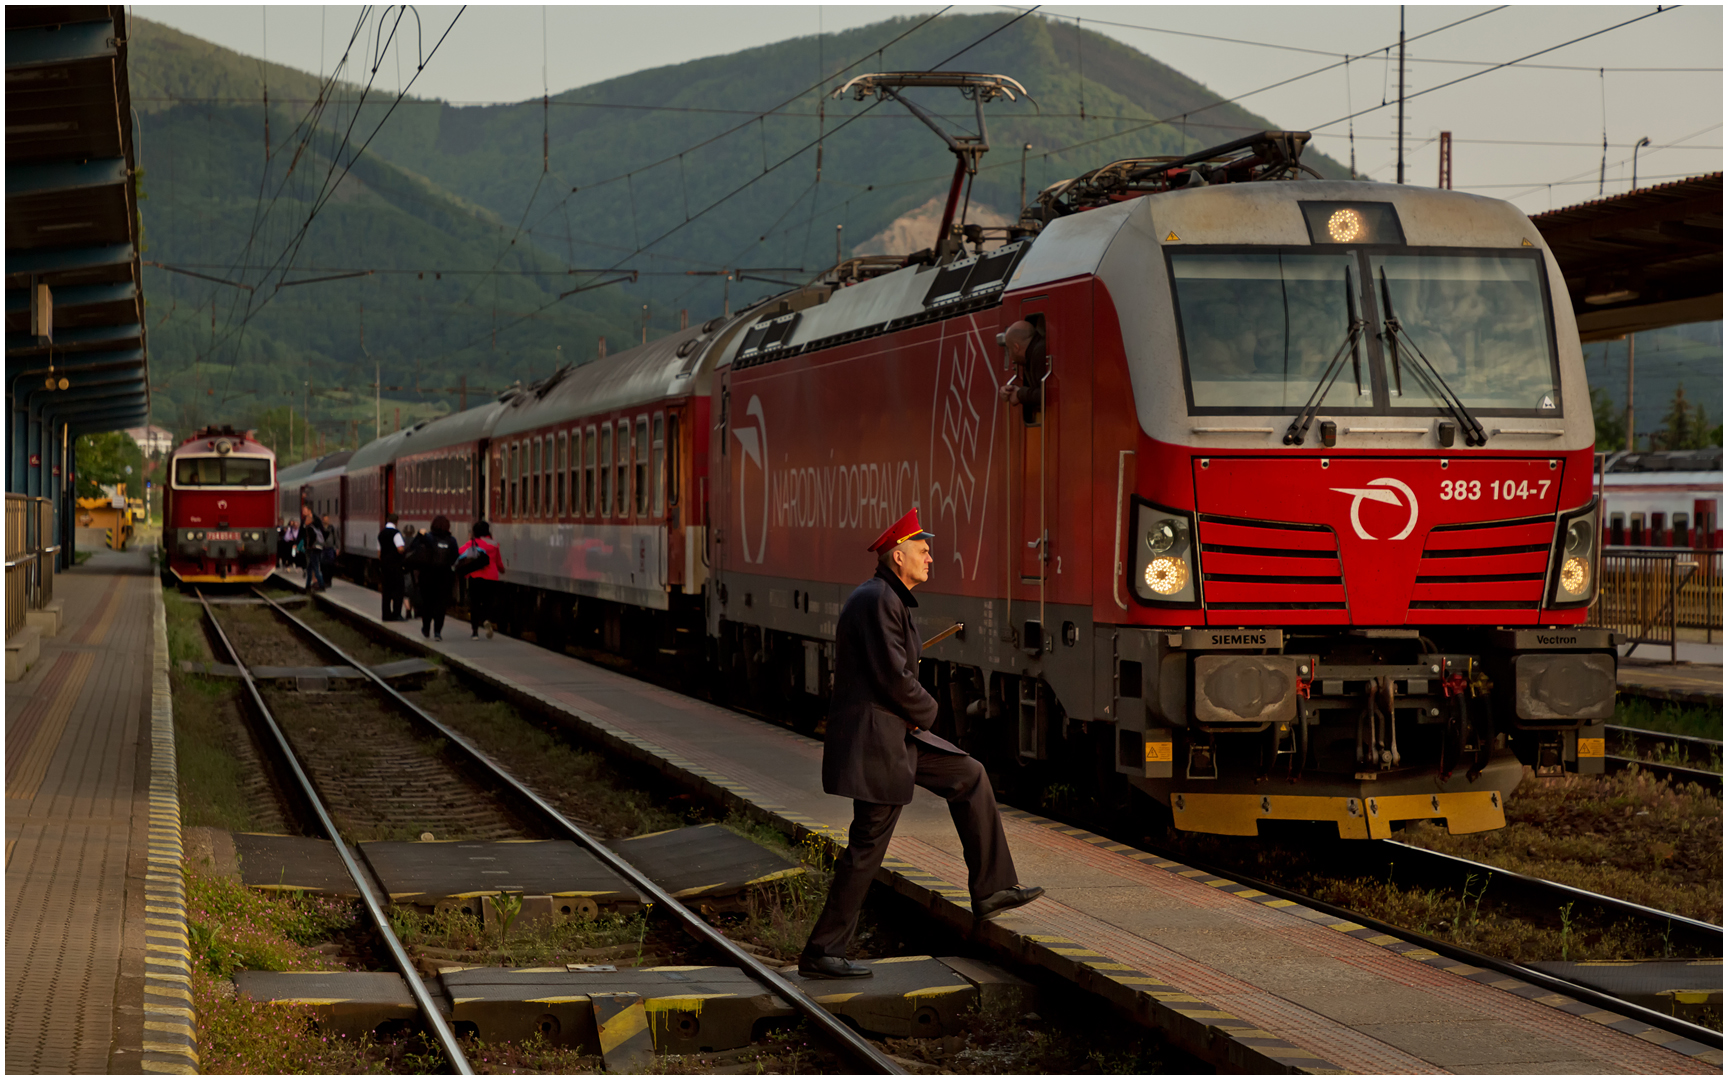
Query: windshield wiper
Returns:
{"type": "Point", "coordinates": [1297, 433]}
{"type": "Point", "coordinates": [1474, 435]}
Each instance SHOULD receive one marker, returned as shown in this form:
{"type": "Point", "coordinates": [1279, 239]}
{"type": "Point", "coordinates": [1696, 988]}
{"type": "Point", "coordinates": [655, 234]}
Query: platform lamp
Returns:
{"type": "Point", "coordinates": [1645, 141]}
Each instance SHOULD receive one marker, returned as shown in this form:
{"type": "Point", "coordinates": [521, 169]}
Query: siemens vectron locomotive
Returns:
{"type": "Point", "coordinates": [1290, 519]}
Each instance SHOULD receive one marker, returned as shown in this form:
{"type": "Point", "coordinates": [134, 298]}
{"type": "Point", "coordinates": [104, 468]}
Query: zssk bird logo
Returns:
{"type": "Point", "coordinates": [1384, 490]}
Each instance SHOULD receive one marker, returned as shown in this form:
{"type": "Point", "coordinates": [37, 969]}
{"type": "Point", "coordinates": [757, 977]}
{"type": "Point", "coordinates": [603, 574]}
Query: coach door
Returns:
{"type": "Point", "coordinates": [1032, 497]}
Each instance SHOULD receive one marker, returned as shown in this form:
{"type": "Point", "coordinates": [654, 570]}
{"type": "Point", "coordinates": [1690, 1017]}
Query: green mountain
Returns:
{"type": "Point", "coordinates": [662, 172]}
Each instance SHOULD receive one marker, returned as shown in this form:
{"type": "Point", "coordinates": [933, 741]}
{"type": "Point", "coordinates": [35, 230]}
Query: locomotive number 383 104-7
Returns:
{"type": "Point", "coordinates": [1504, 490]}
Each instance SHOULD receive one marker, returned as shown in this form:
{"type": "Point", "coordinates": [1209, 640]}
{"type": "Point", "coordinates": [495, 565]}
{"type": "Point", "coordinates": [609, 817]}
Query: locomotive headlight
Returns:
{"type": "Point", "coordinates": [1164, 572]}
{"type": "Point", "coordinates": [1166, 576]}
{"type": "Point", "coordinates": [1345, 225]}
{"type": "Point", "coordinates": [1574, 566]}
{"type": "Point", "coordinates": [1163, 535]}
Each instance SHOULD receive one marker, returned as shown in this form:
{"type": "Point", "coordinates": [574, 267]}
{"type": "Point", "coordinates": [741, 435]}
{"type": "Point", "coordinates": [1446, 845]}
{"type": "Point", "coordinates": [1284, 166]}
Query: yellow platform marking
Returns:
{"type": "Point", "coordinates": [897, 960]}
{"type": "Point", "coordinates": [99, 633]}
{"type": "Point", "coordinates": [39, 753]}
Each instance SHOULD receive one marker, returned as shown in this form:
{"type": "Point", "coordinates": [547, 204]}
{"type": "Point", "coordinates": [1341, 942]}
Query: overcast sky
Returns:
{"type": "Point", "coordinates": [1532, 134]}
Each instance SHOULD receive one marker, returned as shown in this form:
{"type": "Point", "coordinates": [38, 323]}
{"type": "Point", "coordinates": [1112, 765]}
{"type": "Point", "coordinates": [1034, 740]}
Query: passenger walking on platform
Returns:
{"type": "Point", "coordinates": [311, 549]}
{"type": "Point", "coordinates": [432, 555]}
{"type": "Point", "coordinates": [286, 534]}
{"type": "Point", "coordinates": [879, 745]}
{"type": "Point", "coordinates": [483, 583]}
{"type": "Point", "coordinates": [391, 548]}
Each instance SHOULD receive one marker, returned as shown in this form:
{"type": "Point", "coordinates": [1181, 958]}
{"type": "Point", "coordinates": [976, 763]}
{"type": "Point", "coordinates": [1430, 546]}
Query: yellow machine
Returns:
{"type": "Point", "coordinates": [112, 513]}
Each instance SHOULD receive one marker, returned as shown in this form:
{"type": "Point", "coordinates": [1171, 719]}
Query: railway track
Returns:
{"type": "Point", "coordinates": [308, 800]}
{"type": "Point", "coordinates": [1537, 896]}
{"type": "Point", "coordinates": [1675, 758]}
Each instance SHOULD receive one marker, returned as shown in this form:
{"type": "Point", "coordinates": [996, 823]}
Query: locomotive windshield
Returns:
{"type": "Point", "coordinates": [1260, 327]}
{"type": "Point", "coordinates": [221, 470]}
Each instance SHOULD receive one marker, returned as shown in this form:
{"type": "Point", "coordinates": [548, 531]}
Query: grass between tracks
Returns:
{"type": "Point", "coordinates": [1675, 719]}
{"type": "Point", "coordinates": [206, 723]}
{"type": "Point", "coordinates": [1629, 835]}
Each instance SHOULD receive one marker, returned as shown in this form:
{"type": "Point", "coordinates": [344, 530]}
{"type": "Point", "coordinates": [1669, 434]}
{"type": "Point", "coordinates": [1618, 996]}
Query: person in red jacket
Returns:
{"type": "Point", "coordinates": [483, 583]}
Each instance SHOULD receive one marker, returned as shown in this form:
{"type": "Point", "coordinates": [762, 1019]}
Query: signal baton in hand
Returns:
{"type": "Point", "coordinates": [946, 634]}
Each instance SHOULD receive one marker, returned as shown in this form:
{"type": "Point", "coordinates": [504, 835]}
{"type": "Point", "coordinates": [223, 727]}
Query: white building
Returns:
{"type": "Point", "coordinates": [152, 440]}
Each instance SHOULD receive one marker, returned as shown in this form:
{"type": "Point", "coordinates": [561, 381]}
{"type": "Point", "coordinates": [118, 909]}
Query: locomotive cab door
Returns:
{"type": "Point", "coordinates": [1032, 472]}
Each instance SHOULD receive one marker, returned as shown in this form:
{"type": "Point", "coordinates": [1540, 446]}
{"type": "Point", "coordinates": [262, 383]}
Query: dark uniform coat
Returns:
{"type": "Point", "coordinates": [869, 754]}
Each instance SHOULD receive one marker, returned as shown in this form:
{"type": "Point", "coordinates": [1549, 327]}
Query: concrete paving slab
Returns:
{"type": "Point", "coordinates": [689, 1009]}
{"type": "Point", "coordinates": [907, 997]}
{"type": "Point", "coordinates": [350, 1003]}
{"type": "Point", "coordinates": [704, 861]}
{"type": "Point", "coordinates": [292, 864]}
{"type": "Point", "coordinates": [426, 873]}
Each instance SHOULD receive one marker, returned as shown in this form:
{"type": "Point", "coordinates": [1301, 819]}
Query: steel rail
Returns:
{"type": "Point", "coordinates": [1677, 774]}
{"type": "Point", "coordinates": [766, 976]}
{"type": "Point", "coordinates": [441, 1030]}
{"type": "Point", "coordinates": [1585, 994]}
{"type": "Point", "coordinates": [1643, 736]}
{"type": "Point", "coordinates": [1438, 862]}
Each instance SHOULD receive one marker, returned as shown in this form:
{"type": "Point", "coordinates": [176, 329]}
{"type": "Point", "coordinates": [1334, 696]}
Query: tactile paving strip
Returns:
{"type": "Point", "coordinates": [170, 1027]}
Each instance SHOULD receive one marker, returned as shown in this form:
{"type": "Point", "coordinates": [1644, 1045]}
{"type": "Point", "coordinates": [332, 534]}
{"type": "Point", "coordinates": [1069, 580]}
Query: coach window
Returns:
{"type": "Point", "coordinates": [605, 470]}
{"type": "Point", "coordinates": [548, 464]}
{"type": "Point", "coordinates": [641, 473]}
{"type": "Point", "coordinates": [591, 448]}
{"type": "Point", "coordinates": [672, 460]}
{"type": "Point", "coordinates": [563, 467]}
{"type": "Point", "coordinates": [497, 481]}
{"type": "Point", "coordinates": [534, 461]}
{"type": "Point", "coordinates": [515, 504]}
{"type": "Point", "coordinates": [621, 447]}
{"type": "Point", "coordinates": [659, 464]}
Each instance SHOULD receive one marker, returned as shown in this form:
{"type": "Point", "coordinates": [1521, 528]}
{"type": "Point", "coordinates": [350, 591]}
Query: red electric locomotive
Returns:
{"type": "Point", "coordinates": [219, 510]}
{"type": "Point", "coordinates": [1288, 514]}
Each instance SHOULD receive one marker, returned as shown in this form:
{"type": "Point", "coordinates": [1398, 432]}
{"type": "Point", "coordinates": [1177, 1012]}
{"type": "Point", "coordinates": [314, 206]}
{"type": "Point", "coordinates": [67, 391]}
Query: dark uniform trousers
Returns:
{"type": "Point", "coordinates": [958, 778]}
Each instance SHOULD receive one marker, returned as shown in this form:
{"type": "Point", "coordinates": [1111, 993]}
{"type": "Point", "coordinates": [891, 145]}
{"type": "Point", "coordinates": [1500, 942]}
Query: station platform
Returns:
{"type": "Point", "coordinates": [96, 959]}
{"type": "Point", "coordinates": [1247, 981]}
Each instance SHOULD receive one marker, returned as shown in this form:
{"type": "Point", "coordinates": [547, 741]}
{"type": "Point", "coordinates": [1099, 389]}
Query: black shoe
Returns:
{"type": "Point", "coordinates": [1006, 900]}
{"type": "Point", "coordinates": [426, 631]}
{"type": "Point", "coordinates": [831, 967]}
{"type": "Point", "coordinates": [437, 637]}
{"type": "Point", "coordinates": [475, 636]}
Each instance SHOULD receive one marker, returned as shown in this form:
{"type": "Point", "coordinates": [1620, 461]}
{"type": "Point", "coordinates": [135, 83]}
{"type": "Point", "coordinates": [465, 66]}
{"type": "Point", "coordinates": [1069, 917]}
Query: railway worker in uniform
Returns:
{"type": "Point", "coordinates": [432, 555]}
{"type": "Point", "coordinates": [391, 547]}
{"type": "Point", "coordinates": [880, 745]}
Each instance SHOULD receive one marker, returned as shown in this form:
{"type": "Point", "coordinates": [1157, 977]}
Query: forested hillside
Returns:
{"type": "Point", "coordinates": [460, 225]}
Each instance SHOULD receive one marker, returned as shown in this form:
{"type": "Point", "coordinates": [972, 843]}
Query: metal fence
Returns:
{"type": "Point", "coordinates": [29, 557]}
{"type": "Point", "coordinates": [1649, 594]}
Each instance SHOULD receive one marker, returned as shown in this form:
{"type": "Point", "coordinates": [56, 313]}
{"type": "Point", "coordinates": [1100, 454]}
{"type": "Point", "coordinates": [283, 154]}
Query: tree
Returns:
{"type": "Point", "coordinates": [109, 458]}
{"type": "Point", "coordinates": [1610, 421]}
{"type": "Point", "coordinates": [1686, 427]}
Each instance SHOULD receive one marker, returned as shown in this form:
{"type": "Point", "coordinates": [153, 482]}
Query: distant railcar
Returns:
{"type": "Point", "coordinates": [219, 509]}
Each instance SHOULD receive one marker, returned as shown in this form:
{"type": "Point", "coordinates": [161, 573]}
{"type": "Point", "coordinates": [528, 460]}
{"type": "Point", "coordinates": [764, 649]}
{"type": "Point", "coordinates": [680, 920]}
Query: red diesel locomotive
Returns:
{"type": "Point", "coordinates": [219, 510]}
{"type": "Point", "coordinates": [1297, 526]}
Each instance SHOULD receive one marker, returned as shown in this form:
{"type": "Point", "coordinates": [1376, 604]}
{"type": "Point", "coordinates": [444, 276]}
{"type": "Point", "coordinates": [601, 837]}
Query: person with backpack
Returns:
{"type": "Point", "coordinates": [482, 563]}
{"type": "Point", "coordinates": [431, 556]}
{"type": "Point", "coordinates": [327, 571]}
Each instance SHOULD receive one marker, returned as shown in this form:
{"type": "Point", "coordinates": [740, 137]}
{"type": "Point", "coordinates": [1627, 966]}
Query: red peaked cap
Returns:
{"type": "Point", "coordinates": [907, 528]}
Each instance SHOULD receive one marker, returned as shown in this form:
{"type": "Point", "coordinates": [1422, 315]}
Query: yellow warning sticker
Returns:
{"type": "Point", "coordinates": [1591, 747]}
{"type": "Point", "coordinates": [1172, 238]}
{"type": "Point", "coordinates": [1160, 751]}
{"type": "Point", "coordinates": [1527, 243]}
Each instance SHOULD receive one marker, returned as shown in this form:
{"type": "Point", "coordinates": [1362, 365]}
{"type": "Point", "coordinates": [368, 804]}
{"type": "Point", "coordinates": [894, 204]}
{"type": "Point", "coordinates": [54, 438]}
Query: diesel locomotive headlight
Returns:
{"type": "Point", "coordinates": [1164, 571]}
{"type": "Point", "coordinates": [1575, 560]}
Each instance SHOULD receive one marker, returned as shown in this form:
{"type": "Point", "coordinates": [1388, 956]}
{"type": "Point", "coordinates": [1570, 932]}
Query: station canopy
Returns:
{"type": "Point", "coordinates": [72, 222]}
{"type": "Point", "coordinates": [1643, 260]}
